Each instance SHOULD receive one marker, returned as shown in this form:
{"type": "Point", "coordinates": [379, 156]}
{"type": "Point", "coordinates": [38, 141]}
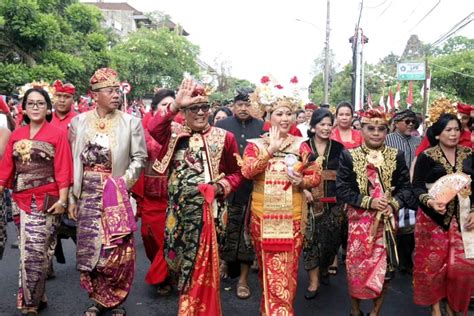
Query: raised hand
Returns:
{"type": "Point", "coordinates": [184, 96]}
{"type": "Point", "coordinates": [275, 140]}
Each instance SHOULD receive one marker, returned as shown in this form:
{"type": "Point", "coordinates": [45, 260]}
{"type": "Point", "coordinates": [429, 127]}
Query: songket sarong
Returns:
{"type": "Point", "coordinates": [441, 269]}
{"type": "Point", "coordinates": [37, 233]}
{"type": "Point", "coordinates": [279, 271]}
{"type": "Point", "coordinates": [106, 272]}
{"type": "Point", "coordinates": [191, 248]}
{"type": "Point", "coordinates": [366, 260]}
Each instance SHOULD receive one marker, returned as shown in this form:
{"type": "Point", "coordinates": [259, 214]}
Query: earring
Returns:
{"type": "Point", "coordinates": [436, 137]}
{"type": "Point", "coordinates": [48, 112]}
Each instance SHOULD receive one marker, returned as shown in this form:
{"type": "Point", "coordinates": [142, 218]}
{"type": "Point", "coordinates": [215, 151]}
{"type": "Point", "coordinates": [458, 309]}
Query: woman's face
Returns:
{"type": "Point", "coordinates": [450, 135]}
{"type": "Point", "coordinates": [356, 125]}
{"type": "Point", "coordinates": [301, 118]}
{"type": "Point", "coordinates": [281, 118]}
{"type": "Point", "coordinates": [344, 117]}
{"type": "Point", "coordinates": [36, 107]}
{"type": "Point", "coordinates": [165, 103]}
{"type": "Point", "coordinates": [220, 116]}
{"type": "Point", "coordinates": [323, 129]}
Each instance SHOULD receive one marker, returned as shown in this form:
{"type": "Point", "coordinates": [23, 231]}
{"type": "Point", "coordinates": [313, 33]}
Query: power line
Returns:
{"type": "Point", "coordinates": [453, 71]}
{"type": "Point", "coordinates": [385, 10]}
{"type": "Point", "coordinates": [453, 30]}
{"type": "Point", "coordinates": [378, 5]}
{"type": "Point", "coordinates": [426, 15]}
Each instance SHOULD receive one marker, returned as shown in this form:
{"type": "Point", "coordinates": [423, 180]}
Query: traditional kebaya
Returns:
{"type": "Point", "coordinates": [343, 131]}
{"type": "Point", "coordinates": [201, 165]}
{"type": "Point", "coordinates": [280, 166]}
{"type": "Point", "coordinates": [37, 166]}
{"type": "Point", "coordinates": [109, 154]}
{"type": "Point", "coordinates": [443, 268]}
{"type": "Point", "coordinates": [373, 180]}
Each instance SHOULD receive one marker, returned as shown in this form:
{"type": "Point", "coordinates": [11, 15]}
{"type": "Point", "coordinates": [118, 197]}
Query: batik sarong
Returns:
{"type": "Point", "coordinates": [37, 233]}
{"type": "Point", "coordinates": [440, 267]}
{"type": "Point", "coordinates": [279, 273]}
{"type": "Point", "coordinates": [106, 274]}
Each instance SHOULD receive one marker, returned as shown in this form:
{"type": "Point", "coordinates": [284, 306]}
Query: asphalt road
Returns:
{"type": "Point", "coordinates": [67, 298]}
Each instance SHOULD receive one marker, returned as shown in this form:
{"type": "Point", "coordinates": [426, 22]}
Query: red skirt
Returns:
{"type": "Point", "coordinates": [440, 268]}
{"type": "Point", "coordinates": [278, 273]}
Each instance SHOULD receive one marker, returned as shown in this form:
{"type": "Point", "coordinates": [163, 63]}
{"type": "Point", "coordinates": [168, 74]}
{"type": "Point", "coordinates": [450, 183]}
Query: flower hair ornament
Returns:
{"type": "Point", "coordinates": [270, 95]}
{"type": "Point", "coordinates": [37, 85]}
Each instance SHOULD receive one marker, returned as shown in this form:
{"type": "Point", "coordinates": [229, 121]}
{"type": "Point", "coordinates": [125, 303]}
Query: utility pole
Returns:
{"type": "Point", "coordinates": [357, 41]}
{"type": "Point", "coordinates": [327, 58]}
{"type": "Point", "coordinates": [426, 90]}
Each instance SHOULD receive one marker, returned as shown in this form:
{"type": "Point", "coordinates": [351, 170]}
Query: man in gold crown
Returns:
{"type": "Point", "coordinates": [201, 165]}
{"type": "Point", "coordinates": [109, 154]}
{"type": "Point", "coordinates": [373, 180]}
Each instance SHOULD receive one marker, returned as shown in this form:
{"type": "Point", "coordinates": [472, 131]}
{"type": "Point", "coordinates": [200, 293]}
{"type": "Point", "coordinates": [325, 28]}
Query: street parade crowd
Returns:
{"type": "Point", "coordinates": [257, 182]}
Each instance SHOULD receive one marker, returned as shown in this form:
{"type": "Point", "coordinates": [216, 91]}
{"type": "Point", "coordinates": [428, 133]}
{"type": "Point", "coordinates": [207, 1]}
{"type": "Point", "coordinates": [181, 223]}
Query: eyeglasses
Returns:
{"type": "Point", "coordinates": [111, 91]}
{"type": "Point", "coordinates": [195, 108]}
{"type": "Point", "coordinates": [38, 104]}
{"type": "Point", "coordinates": [408, 122]}
{"type": "Point", "coordinates": [378, 128]}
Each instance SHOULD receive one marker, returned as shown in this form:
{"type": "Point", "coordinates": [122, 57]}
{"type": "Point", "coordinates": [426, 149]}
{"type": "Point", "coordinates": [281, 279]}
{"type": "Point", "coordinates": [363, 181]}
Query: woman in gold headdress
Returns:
{"type": "Point", "coordinates": [280, 165]}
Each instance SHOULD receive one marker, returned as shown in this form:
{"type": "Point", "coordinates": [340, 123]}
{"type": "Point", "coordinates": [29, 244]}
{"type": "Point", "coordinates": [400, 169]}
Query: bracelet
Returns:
{"type": "Point", "coordinates": [63, 204]}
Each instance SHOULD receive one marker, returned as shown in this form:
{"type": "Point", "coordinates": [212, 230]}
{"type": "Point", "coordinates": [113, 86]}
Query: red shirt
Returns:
{"type": "Point", "coordinates": [62, 165]}
{"type": "Point", "coordinates": [63, 123]}
{"type": "Point", "coordinates": [357, 138]}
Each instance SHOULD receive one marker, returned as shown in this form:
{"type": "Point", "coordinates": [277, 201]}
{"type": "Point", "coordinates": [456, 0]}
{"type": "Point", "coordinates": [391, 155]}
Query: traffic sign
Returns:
{"type": "Point", "coordinates": [411, 71]}
{"type": "Point", "coordinates": [125, 87]}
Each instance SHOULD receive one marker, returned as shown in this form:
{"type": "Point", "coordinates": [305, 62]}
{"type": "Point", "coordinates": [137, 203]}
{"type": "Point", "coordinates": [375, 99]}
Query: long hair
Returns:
{"type": "Point", "coordinates": [437, 128]}
{"type": "Point", "coordinates": [49, 104]}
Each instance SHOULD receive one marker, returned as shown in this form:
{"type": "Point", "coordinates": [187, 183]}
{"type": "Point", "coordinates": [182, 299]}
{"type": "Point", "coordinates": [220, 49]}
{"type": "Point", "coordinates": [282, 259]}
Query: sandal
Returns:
{"type": "Point", "coordinates": [332, 270]}
{"type": "Point", "coordinates": [164, 290]}
{"type": "Point", "coordinates": [243, 291]}
{"type": "Point", "coordinates": [224, 270]}
{"type": "Point", "coordinates": [119, 311]}
{"type": "Point", "coordinates": [94, 310]}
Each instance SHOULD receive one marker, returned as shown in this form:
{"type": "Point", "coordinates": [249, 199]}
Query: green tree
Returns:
{"type": "Point", "coordinates": [151, 58]}
{"type": "Point", "coordinates": [51, 39]}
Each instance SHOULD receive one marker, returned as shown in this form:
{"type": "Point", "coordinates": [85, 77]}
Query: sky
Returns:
{"type": "Point", "coordinates": [260, 37]}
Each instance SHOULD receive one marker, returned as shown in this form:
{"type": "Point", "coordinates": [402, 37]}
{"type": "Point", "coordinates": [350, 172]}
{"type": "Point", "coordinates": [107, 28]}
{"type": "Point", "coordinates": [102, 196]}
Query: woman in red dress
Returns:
{"type": "Point", "coordinates": [37, 164]}
{"type": "Point", "coordinates": [343, 132]}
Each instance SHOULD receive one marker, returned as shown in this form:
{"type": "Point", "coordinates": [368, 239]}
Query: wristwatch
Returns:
{"type": "Point", "coordinates": [63, 204]}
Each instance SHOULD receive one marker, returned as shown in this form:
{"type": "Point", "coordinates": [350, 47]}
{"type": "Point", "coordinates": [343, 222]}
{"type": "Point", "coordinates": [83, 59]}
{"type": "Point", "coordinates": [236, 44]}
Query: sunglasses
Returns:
{"type": "Point", "coordinates": [195, 108]}
{"type": "Point", "coordinates": [408, 122]}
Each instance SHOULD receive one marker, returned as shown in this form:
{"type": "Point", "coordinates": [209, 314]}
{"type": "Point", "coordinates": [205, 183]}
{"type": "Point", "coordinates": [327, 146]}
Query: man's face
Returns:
{"type": "Point", "coordinates": [406, 126]}
{"type": "Point", "coordinates": [308, 113]}
{"type": "Point", "coordinates": [374, 135]}
{"type": "Point", "coordinates": [197, 116]}
{"type": "Point", "coordinates": [108, 98]}
{"type": "Point", "coordinates": [242, 110]}
{"type": "Point", "coordinates": [63, 102]}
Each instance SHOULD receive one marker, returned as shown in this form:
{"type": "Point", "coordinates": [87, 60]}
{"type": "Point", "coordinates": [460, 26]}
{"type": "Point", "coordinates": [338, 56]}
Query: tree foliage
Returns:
{"type": "Point", "coordinates": [151, 58]}
{"type": "Point", "coordinates": [51, 39]}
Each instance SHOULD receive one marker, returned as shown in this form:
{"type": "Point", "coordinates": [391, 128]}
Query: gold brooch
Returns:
{"type": "Point", "coordinates": [23, 149]}
{"type": "Point", "coordinates": [375, 158]}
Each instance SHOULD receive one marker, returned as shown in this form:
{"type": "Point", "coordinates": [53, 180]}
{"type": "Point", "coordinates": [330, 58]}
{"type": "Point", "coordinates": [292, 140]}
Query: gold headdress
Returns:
{"type": "Point", "coordinates": [440, 106]}
{"type": "Point", "coordinates": [38, 85]}
{"type": "Point", "coordinates": [375, 117]}
{"type": "Point", "coordinates": [270, 95]}
{"type": "Point", "coordinates": [103, 78]}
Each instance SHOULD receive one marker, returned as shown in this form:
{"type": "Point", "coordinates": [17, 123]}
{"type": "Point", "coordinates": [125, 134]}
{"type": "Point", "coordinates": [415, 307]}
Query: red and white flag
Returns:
{"type": "Point", "coordinates": [390, 101]}
{"type": "Point", "coordinates": [410, 95]}
{"type": "Point", "coordinates": [397, 97]}
{"type": "Point", "coordinates": [381, 101]}
{"type": "Point", "coordinates": [370, 103]}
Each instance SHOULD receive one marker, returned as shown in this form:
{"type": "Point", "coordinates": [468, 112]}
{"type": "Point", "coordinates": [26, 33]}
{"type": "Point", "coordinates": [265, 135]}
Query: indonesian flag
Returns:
{"type": "Point", "coordinates": [369, 101]}
{"type": "Point", "coordinates": [390, 101]}
{"type": "Point", "coordinates": [410, 95]}
{"type": "Point", "coordinates": [397, 97]}
{"type": "Point", "coordinates": [381, 101]}
{"type": "Point", "coordinates": [428, 84]}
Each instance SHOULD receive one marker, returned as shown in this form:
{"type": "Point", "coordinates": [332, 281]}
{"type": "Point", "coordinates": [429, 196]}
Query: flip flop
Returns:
{"type": "Point", "coordinates": [243, 291]}
{"type": "Point", "coordinates": [332, 270]}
